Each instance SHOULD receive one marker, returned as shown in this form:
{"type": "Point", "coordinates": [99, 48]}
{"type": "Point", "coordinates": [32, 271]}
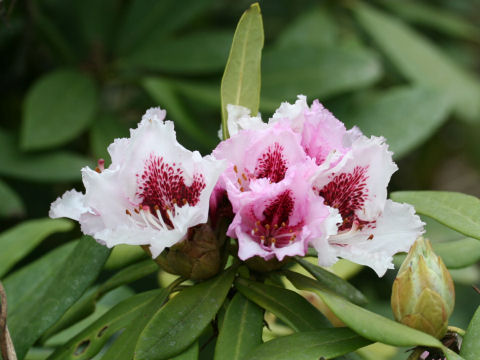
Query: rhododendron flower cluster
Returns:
{"type": "Point", "coordinates": [301, 179]}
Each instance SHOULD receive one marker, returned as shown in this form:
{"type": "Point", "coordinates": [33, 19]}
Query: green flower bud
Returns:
{"type": "Point", "coordinates": [423, 295]}
{"type": "Point", "coordinates": [199, 256]}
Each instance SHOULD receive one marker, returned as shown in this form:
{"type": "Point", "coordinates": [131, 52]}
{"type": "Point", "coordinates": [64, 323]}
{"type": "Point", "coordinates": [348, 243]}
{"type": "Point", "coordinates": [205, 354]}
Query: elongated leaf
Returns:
{"type": "Point", "coordinates": [47, 167]}
{"type": "Point", "coordinates": [126, 315]}
{"type": "Point", "coordinates": [180, 322]}
{"type": "Point", "coordinates": [196, 53]}
{"type": "Point", "coordinates": [163, 92]}
{"type": "Point", "coordinates": [190, 354]}
{"type": "Point", "coordinates": [58, 108]}
{"type": "Point", "coordinates": [316, 27]}
{"type": "Point", "coordinates": [458, 211]}
{"type": "Point", "coordinates": [312, 345]}
{"type": "Point", "coordinates": [206, 93]}
{"type": "Point", "coordinates": [241, 79]}
{"type": "Point", "coordinates": [458, 254]}
{"type": "Point", "coordinates": [334, 283]}
{"type": "Point", "coordinates": [105, 129]}
{"type": "Point", "coordinates": [420, 60]}
{"type": "Point", "coordinates": [241, 329]}
{"type": "Point", "coordinates": [288, 306]}
{"type": "Point", "coordinates": [471, 345]}
{"type": "Point", "coordinates": [10, 202]}
{"type": "Point", "coordinates": [435, 18]}
{"type": "Point", "coordinates": [87, 304]}
{"type": "Point", "coordinates": [366, 323]}
{"type": "Point", "coordinates": [123, 255]}
{"type": "Point", "coordinates": [405, 116]}
{"type": "Point", "coordinates": [148, 21]}
{"type": "Point", "coordinates": [36, 313]}
{"type": "Point", "coordinates": [316, 71]}
{"type": "Point", "coordinates": [23, 238]}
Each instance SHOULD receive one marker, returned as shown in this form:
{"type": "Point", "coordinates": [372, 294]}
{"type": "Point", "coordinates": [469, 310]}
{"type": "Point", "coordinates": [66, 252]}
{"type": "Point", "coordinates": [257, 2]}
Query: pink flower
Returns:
{"type": "Point", "coordinates": [153, 191]}
{"type": "Point", "coordinates": [373, 228]}
{"type": "Point", "coordinates": [258, 154]}
{"type": "Point", "coordinates": [278, 219]}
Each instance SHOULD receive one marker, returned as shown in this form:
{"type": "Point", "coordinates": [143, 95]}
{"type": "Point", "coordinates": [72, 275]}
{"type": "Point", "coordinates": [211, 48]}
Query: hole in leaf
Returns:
{"type": "Point", "coordinates": [82, 347]}
{"type": "Point", "coordinates": [102, 331]}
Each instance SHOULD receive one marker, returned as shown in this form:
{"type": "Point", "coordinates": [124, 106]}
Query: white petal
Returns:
{"type": "Point", "coordinates": [70, 205]}
{"type": "Point", "coordinates": [239, 119]}
{"type": "Point", "coordinates": [292, 113]}
{"type": "Point", "coordinates": [396, 230]}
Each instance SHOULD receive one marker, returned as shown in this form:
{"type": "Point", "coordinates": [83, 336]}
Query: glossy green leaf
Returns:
{"type": "Point", "coordinates": [86, 304]}
{"type": "Point", "coordinates": [105, 129]}
{"type": "Point", "coordinates": [163, 92]}
{"type": "Point", "coordinates": [315, 27]}
{"type": "Point", "coordinates": [58, 108]}
{"type": "Point", "coordinates": [46, 167]}
{"type": "Point", "coordinates": [311, 345]}
{"type": "Point", "coordinates": [180, 322]}
{"type": "Point", "coordinates": [123, 255]}
{"type": "Point", "coordinates": [20, 240]}
{"type": "Point", "coordinates": [55, 293]}
{"type": "Point", "coordinates": [293, 309]}
{"type": "Point", "coordinates": [315, 71]}
{"type": "Point", "coordinates": [419, 60]}
{"type": "Point", "coordinates": [196, 53]}
{"type": "Point", "coordinates": [190, 354]}
{"type": "Point", "coordinates": [458, 211]}
{"type": "Point", "coordinates": [435, 17]}
{"type": "Point", "coordinates": [405, 116]}
{"type": "Point", "coordinates": [129, 314]}
{"type": "Point", "coordinates": [206, 93]}
{"type": "Point", "coordinates": [149, 21]}
{"type": "Point", "coordinates": [365, 323]}
{"type": "Point", "coordinates": [334, 283]}
{"type": "Point", "coordinates": [10, 203]}
{"type": "Point", "coordinates": [241, 329]}
{"type": "Point", "coordinates": [241, 80]}
{"type": "Point", "coordinates": [458, 254]}
{"type": "Point", "coordinates": [471, 345]}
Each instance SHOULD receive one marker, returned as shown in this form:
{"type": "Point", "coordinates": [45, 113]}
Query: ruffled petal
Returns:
{"type": "Point", "coordinates": [70, 205]}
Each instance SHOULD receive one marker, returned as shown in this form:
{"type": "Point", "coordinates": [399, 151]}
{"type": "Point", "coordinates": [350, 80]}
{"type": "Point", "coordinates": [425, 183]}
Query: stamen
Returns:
{"type": "Point", "coordinates": [370, 237]}
{"type": "Point", "coordinates": [235, 168]}
{"type": "Point", "coordinates": [267, 226]}
{"type": "Point", "coordinates": [283, 224]}
{"type": "Point", "coordinates": [136, 211]}
{"type": "Point", "coordinates": [244, 176]}
{"type": "Point", "coordinates": [242, 189]}
{"type": "Point", "coordinates": [239, 181]}
{"type": "Point", "coordinates": [128, 212]}
{"type": "Point", "coordinates": [184, 201]}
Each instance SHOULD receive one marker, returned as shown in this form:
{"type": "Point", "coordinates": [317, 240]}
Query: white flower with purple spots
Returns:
{"type": "Point", "coordinates": [151, 194]}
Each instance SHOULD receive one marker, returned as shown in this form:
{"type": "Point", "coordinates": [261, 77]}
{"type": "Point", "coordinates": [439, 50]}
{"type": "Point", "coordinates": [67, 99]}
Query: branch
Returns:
{"type": "Point", "coordinates": [6, 345]}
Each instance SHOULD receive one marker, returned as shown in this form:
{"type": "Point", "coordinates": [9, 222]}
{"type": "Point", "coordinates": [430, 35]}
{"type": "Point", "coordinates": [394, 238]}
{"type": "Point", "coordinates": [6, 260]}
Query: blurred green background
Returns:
{"type": "Point", "coordinates": [77, 74]}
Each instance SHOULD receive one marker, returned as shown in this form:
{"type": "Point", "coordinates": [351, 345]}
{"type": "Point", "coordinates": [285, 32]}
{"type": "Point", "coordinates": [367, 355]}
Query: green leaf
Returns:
{"type": "Point", "coordinates": [316, 72]}
{"type": "Point", "coordinates": [148, 21]}
{"type": "Point", "coordinates": [129, 314]}
{"type": "Point", "coordinates": [46, 167]}
{"type": "Point", "coordinates": [20, 240]}
{"type": "Point", "coordinates": [419, 60]}
{"type": "Point", "coordinates": [405, 116]}
{"type": "Point", "coordinates": [58, 108]}
{"type": "Point", "coordinates": [315, 27]}
{"type": "Point", "coordinates": [103, 132]}
{"type": "Point", "coordinates": [458, 254]}
{"type": "Point", "coordinates": [241, 79]}
{"type": "Point", "coordinates": [123, 255]}
{"type": "Point", "coordinates": [241, 329]}
{"type": "Point", "coordinates": [180, 322]}
{"type": "Point", "coordinates": [311, 345]}
{"type": "Point", "coordinates": [196, 53]}
{"type": "Point", "coordinates": [10, 203]}
{"type": "Point", "coordinates": [86, 304]}
{"type": "Point", "coordinates": [458, 211]}
{"type": "Point", "coordinates": [190, 354]}
{"type": "Point", "coordinates": [163, 92]}
{"type": "Point", "coordinates": [470, 349]}
{"type": "Point", "coordinates": [293, 309]}
{"type": "Point", "coordinates": [435, 18]}
{"type": "Point", "coordinates": [334, 283]}
{"type": "Point", "coordinates": [36, 313]}
{"type": "Point", "coordinates": [203, 92]}
{"type": "Point", "coordinates": [366, 323]}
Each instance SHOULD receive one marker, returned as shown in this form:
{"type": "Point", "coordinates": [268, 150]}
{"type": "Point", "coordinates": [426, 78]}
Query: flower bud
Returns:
{"type": "Point", "coordinates": [423, 296]}
{"type": "Point", "coordinates": [199, 256]}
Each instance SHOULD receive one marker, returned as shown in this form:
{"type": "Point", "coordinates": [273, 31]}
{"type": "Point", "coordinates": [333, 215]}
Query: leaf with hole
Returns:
{"type": "Point", "coordinates": [241, 329]}
{"type": "Point", "coordinates": [241, 79]}
{"type": "Point", "coordinates": [288, 306]}
{"type": "Point", "coordinates": [181, 321]}
{"type": "Point", "coordinates": [458, 211]}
